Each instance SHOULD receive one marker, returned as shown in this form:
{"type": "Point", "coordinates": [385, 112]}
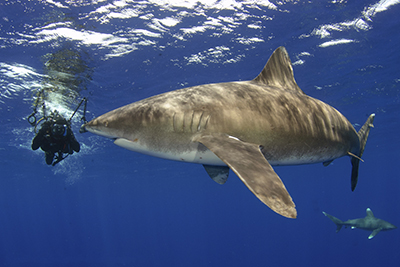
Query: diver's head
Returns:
{"type": "Point", "coordinates": [59, 130]}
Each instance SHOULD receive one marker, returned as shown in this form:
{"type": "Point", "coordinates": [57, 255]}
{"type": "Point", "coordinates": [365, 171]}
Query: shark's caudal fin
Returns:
{"type": "Point", "coordinates": [355, 160]}
{"type": "Point", "coordinates": [338, 222]}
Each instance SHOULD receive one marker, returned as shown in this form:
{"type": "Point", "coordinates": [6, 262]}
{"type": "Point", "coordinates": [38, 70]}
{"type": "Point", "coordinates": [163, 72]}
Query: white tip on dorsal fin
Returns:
{"type": "Point", "coordinates": [279, 72]}
{"type": "Point", "coordinates": [369, 212]}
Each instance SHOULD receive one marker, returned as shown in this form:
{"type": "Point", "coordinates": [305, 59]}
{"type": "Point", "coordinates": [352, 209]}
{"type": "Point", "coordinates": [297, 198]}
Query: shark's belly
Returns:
{"type": "Point", "coordinates": [305, 158]}
{"type": "Point", "coordinates": [192, 152]}
{"type": "Point", "coordinates": [305, 150]}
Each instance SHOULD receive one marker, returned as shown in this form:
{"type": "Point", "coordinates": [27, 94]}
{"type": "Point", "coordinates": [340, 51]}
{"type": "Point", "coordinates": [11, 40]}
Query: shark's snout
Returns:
{"type": "Point", "coordinates": [100, 127]}
{"type": "Point", "coordinates": [83, 129]}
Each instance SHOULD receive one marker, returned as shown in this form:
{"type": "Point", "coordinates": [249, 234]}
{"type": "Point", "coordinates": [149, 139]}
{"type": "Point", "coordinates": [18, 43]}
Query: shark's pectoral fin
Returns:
{"type": "Point", "coordinates": [218, 173]}
{"type": "Point", "coordinates": [247, 161]}
{"type": "Point", "coordinates": [374, 233]}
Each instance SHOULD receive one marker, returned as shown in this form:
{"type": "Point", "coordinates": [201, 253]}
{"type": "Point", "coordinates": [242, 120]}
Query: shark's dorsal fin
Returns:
{"type": "Point", "coordinates": [369, 213]}
{"type": "Point", "coordinates": [278, 72]}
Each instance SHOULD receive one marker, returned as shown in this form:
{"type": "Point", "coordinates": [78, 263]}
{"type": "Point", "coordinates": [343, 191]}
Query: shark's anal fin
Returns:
{"type": "Point", "coordinates": [247, 161]}
{"type": "Point", "coordinates": [326, 163]}
{"type": "Point", "coordinates": [374, 233]}
{"type": "Point", "coordinates": [218, 173]}
{"type": "Point", "coordinates": [363, 136]}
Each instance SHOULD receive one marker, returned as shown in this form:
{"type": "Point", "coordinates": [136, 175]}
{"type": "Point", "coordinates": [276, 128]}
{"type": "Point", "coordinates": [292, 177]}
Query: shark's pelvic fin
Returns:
{"type": "Point", "coordinates": [218, 173]}
{"type": "Point", "coordinates": [278, 72]}
{"type": "Point", "coordinates": [247, 161]}
{"type": "Point", "coordinates": [337, 221]}
{"type": "Point", "coordinates": [363, 136]}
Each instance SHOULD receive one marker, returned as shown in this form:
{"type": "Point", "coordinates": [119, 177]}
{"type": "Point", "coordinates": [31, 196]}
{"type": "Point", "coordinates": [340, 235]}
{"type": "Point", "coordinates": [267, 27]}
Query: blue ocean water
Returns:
{"type": "Point", "coordinates": [107, 206]}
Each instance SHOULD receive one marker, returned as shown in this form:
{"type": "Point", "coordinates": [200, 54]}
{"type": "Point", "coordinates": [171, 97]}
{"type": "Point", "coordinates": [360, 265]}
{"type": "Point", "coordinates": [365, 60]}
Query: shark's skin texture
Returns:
{"type": "Point", "coordinates": [369, 223]}
{"type": "Point", "coordinates": [246, 126]}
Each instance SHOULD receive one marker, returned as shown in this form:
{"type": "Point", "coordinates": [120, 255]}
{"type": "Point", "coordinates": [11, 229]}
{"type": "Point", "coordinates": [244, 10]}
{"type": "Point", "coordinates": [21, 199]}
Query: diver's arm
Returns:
{"type": "Point", "coordinates": [39, 139]}
{"type": "Point", "coordinates": [73, 143]}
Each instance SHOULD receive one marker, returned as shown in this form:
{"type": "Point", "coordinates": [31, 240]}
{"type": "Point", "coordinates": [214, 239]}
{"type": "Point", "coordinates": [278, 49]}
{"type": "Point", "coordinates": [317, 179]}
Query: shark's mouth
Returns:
{"type": "Point", "coordinates": [96, 130]}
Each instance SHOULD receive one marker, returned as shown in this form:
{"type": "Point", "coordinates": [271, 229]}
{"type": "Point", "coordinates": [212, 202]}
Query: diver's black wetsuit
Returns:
{"type": "Point", "coordinates": [55, 136]}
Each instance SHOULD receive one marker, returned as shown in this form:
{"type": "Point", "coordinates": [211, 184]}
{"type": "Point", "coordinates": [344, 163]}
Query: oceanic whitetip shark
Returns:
{"type": "Point", "coordinates": [369, 223]}
{"type": "Point", "coordinates": [246, 126]}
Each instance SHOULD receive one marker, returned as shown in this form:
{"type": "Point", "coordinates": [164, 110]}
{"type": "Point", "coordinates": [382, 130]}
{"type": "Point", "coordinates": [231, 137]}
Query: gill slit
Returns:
{"type": "Point", "coordinates": [199, 125]}
{"type": "Point", "coordinates": [208, 118]}
{"type": "Point", "coordinates": [173, 122]}
{"type": "Point", "coordinates": [191, 122]}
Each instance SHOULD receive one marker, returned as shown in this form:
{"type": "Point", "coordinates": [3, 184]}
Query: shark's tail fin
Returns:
{"type": "Point", "coordinates": [338, 222]}
{"type": "Point", "coordinates": [355, 159]}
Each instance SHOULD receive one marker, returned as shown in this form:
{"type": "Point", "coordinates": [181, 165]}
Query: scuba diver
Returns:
{"type": "Point", "coordinates": [55, 136]}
